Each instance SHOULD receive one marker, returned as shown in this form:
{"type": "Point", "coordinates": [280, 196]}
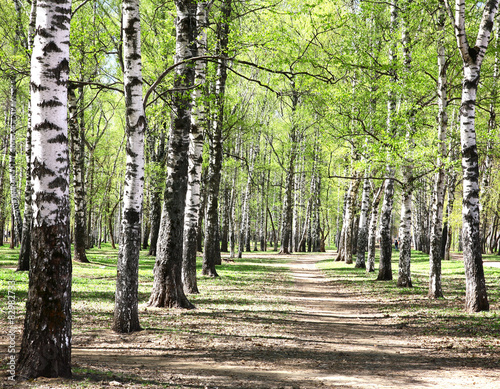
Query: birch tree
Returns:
{"type": "Point", "coordinates": [211, 250]}
{"type": "Point", "coordinates": [14, 194]}
{"type": "Point", "coordinates": [476, 298]}
{"type": "Point", "coordinates": [167, 286]}
{"type": "Point", "coordinates": [46, 341]}
{"type": "Point", "coordinates": [435, 289]}
{"type": "Point", "coordinates": [385, 268]}
{"type": "Point", "coordinates": [126, 316]}
{"type": "Point", "coordinates": [25, 249]}
{"type": "Point", "coordinates": [196, 134]}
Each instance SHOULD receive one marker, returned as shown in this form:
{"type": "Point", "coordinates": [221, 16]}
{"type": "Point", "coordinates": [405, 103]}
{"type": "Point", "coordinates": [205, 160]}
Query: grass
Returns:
{"type": "Point", "coordinates": [432, 317]}
{"type": "Point", "coordinates": [246, 301]}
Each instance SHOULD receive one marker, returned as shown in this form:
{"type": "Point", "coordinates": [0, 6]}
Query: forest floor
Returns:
{"type": "Point", "coordinates": [298, 321]}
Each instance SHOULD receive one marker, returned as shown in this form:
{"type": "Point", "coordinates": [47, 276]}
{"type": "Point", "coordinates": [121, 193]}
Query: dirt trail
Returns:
{"type": "Point", "coordinates": [332, 338]}
{"type": "Point", "coordinates": [360, 348]}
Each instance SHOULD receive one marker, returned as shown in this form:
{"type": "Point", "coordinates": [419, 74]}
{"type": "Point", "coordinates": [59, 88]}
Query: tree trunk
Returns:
{"type": "Point", "coordinates": [372, 232]}
{"type": "Point", "coordinates": [167, 287]}
{"type": "Point", "coordinates": [211, 252]}
{"type": "Point", "coordinates": [385, 267]}
{"type": "Point", "coordinates": [345, 252]}
{"type": "Point", "coordinates": [14, 195]}
{"type": "Point", "coordinates": [126, 315]}
{"type": "Point", "coordinates": [25, 250]}
{"type": "Point", "coordinates": [46, 342]}
{"type": "Point", "coordinates": [77, 153]}
{"type": "Point", "coordinates": [404, 273]}
{"type": "Point", "coordinates": [363, 226]}
{"type": "Point", "coordinates": [198, 121]}
{"type": "Point", "coordinates": [475, 286]}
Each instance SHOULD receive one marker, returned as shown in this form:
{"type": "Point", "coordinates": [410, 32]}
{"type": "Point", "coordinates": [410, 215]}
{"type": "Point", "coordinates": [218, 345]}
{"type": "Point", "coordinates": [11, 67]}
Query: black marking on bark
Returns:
{"type": "Point", "coordinates": [61, 21]}
{"type": "Point", "coordinates": [63, 10]}
{"type": "Point", "coordinates": [50, 103]}
{"type": "Point", "coordinates": [36, 87]}
{"type": "Point", "coordinates": [60, 138]}
{"type": "Point", "coordinates": [44, 33]}
{"type": "Point", "coordinates": [51, 47]}
{"type": "Point", "coordinates": [131, 28]}
{"type": "Point", "coordinates": [40, 169]}
{"type": "Point", "coordinates": [62, 68]}
{"type": "Point", "coordinates": [473, 52]}
{"type": "Point", "coordinates": [131, 216]}
{"type": "Point", "coordinates": [59, 182]}
{"type": "Point", "coordinates": [131, 153]}
{"type": "Point", "coordinates": [46, 125]}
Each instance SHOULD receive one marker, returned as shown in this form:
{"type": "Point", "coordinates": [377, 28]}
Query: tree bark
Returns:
{"type": "Point", "coordinates": [435, 288]}
{"type": "Point", "coordinates": [126, 315]}
{"type": "Point", "coordinates": [363, 226]}
{"type": "Point", "coordinates": [345, 250]}
{"type": "Point", "coordinates": [25, 249]}
{"type": "Point", "coordinates": [198, 121]}
{"type": "Point", "coordinates": [211, 251]}
{"type": "Point", "coordinates": [476, 298]}
{"type": "Point", "coordinates": [46, 342]}
{"type": "Point", "coordinates": [77, 153]}
{"type": "Point", "coordinates": [385, 267]}
{"type": "Point", "coordinates": [167, 286]}
{"type": "Point", "coordinates": [372, 233]}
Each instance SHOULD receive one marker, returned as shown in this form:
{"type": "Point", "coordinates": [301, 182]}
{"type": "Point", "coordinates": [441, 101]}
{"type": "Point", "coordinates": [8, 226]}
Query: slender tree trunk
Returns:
{"type": "Point", "coordinates": [452, 178]}
{"type": "Point", "coordinates": [25, 250]}
{"type": "Point", "coordinates": [476, 298]}
{"type": "Point", "coordinates": [14, 195]}
{"type": "Point", "coordinates": [126, 315]}
{"type": "Point", "coordinates": [211, 252]}
{"type": "Point", "coordinates": [77, 153]}
{"type": "Point", "coordinates": [46, 341]}
{"type": "Point", "coordinates": [167, 286]}
{"type": "Point", "coordinates": [435, 288]}
{"type": "Point", "coordinates": [404, 273]}
{"type": "Point", "coordinates": [345, 252]}
{"type": "Point", "coordinates": [385, 266]}
{"type": "Point", "coordinates": [363, 226]}
{"type": "Point", "coordinates": [372, 232]}
{"type": "Point", "coordinates": [198, 121]}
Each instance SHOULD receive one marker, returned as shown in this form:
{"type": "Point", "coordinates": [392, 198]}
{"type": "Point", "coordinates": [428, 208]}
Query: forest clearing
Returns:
{"type": "Point", "coordinates": [271, 321]}
{"type": "Point", "coordinates": [171, 172]}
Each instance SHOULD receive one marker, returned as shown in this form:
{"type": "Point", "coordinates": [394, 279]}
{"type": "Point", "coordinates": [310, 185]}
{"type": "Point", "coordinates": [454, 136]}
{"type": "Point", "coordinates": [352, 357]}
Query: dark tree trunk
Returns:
{"type": "Point", "coordinates": [155, 221]}
{"type": "Point", "coordinates": [77, 155]}
{"type": "Point", "coordinates": [211, 252]}
{"type": "Point", "coordinates": [168, 290]}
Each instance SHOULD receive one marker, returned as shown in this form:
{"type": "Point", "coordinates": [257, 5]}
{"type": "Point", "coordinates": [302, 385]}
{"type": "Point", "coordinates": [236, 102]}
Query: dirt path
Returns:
{"type": "Point", "coordinates": [332, 338]}
{"type": "Point", "coordinates": [356, 347]}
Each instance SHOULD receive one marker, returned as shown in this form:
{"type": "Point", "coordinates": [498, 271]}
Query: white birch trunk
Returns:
{"type": "Point", "coordinates": [46, 342]}
{"type": "Point", "coordinates": [435, 289]}
{"type": "Point", "coordinates": [372, 232]}
{"type": "Point", "coordinates": [14, 194]}
{"type": "Point", "coordinates": [363, 226]}
{"type": "Point", "coordinates": [404, 270]}
{"type": "Point", "coordinates": [475, 285]}
{"type": "Point", "coordinates": [25, 249]}
{"type": "Point", "coordinates": [126, 316]}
